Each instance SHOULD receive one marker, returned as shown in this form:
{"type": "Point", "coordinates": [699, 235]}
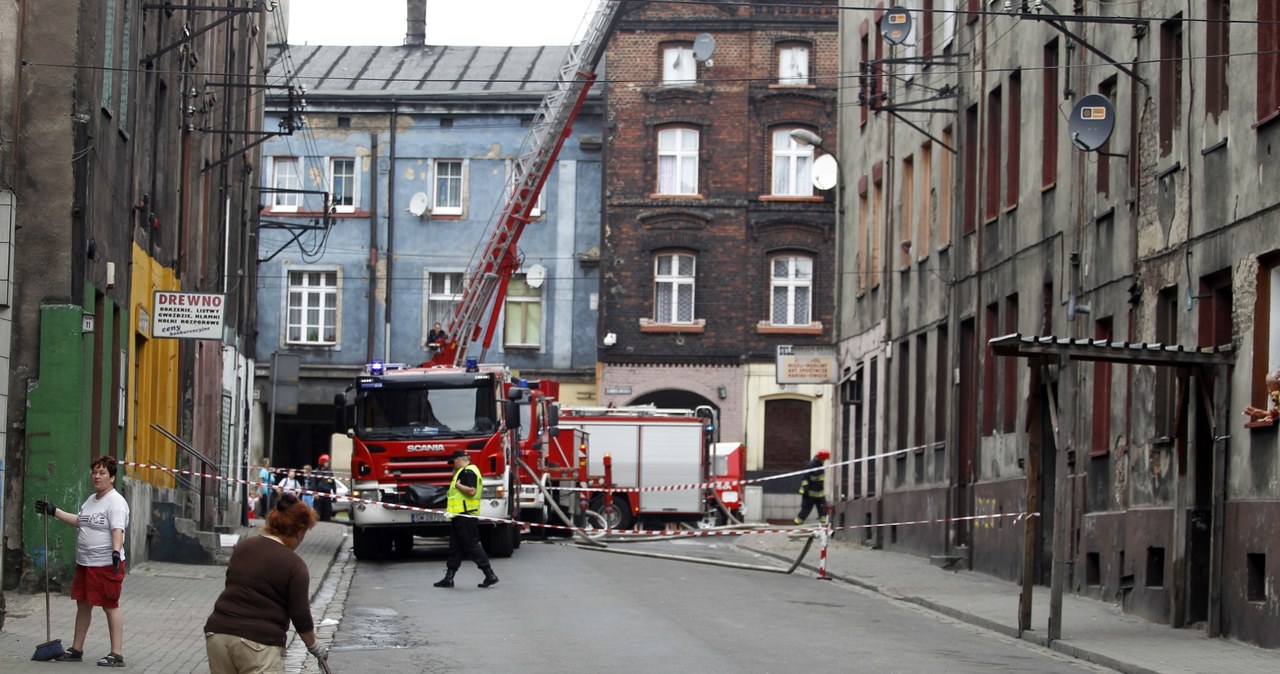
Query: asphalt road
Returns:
{"type": "Point", "coordinates": [565, 610]}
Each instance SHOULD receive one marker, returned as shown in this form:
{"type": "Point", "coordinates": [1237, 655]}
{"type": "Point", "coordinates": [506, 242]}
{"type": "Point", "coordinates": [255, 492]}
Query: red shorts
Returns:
{"type": "Point", "coordinates": [97, 585]}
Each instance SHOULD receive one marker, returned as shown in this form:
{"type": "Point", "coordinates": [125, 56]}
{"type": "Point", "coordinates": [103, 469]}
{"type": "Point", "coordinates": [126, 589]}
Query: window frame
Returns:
{"type": "Point", "coordinates": [675, 281]}
{"type": "Point", "coordinates": [792, 283]}
{"type": "Point", "coordinates": [354, 178]}
{"type": "Point", "coordinates": [681, 156]}
{"type": "Point", "coordinates": [794, 154]}
{"type": "Point", "coordinates": [299, 286]}
{"type": "Point", "coordinates": [522, 298]}
{"type": "Point", "coordinates": [787, 52]}
{"type": "Point", "coordinates": [437, 208]}
{"type": "Point", "coordinates": [679, 68]}
{"type": "Point", "coordinates": [282, 201]}
{"type": "Point", "coordinates": [446, 299]}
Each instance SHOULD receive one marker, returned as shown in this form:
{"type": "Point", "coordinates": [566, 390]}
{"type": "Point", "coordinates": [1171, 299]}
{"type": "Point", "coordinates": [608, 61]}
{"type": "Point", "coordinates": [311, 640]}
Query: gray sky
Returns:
{"type": "Point", "coordinates": [449, 22]}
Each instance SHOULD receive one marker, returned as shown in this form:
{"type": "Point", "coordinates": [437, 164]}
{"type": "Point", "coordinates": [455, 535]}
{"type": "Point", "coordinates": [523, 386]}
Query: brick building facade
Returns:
{"type": "Point", "coordinates": [716, 248]}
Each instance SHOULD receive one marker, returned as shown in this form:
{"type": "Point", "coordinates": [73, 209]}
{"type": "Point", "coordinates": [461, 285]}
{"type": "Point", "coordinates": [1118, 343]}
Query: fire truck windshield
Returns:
{"type": "Point", "coordinates": [416, 409]}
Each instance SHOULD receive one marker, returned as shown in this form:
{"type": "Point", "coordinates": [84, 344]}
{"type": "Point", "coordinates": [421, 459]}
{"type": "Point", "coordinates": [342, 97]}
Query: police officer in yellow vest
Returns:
{"type": "Point", "coordinates": [464, 499]}
{"type": "Point", "coordinates": [813, 489]}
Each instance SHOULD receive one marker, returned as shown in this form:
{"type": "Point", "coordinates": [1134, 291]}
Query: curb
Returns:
{"type": "Point", "coordinates": [1035, 638]}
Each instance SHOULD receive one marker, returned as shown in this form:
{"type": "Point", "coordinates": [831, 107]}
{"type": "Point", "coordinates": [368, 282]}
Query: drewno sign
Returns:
{"type": "Point", "coordinates": [187, 315]}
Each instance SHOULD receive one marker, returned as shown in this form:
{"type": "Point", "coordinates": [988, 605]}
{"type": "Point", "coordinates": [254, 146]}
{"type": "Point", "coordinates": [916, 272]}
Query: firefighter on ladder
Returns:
{"type": "Point", "coordinates": [813, 488]}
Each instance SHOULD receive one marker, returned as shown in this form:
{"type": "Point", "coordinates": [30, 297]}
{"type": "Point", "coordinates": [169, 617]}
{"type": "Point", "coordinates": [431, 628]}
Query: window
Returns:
{"type": "Point", "coordinates": [791, 290]}
{"type": "Point", "coordinates": [448, 187]}
{"type": "Point", "coordinates": [793, 64]}
{"type": "Point", "coordinates": [342, 184]}
{"type": "Point", "coordinates": [1049, 116]}
{"type": "Point", "coordinates": [522, 314]}
{"type": "Point", "coordinates": [946, 190]}
{"type": "Point", "coordinates": [992, 209]}
{"type": "Point", "coordinates": [860, 241]}
{"type": "Point", "coordinates": [1009, 417]}
{"type": "Point", "coordinates": [313, 308]}
{"type": "Point", "coordinates": [908, 211]}
{"type": "Point", "coordinates": [863, 79]}
{"type": "Point", "coordinates": [1170, 82]}
{"type": "Point", "coordinates": [990, 385]}
{"type": "Point", "coordinates": [925, 200]}
{"type": "Point", "coordinates": [679, 69]}
{"type": "Point", "coordinates": [678, 161]}
{"type": "Point", "coordinates": [673, 285]}
{"type": "Point", "coordinates": [1013, 163]}
{"type": "Point", "coordinates": [286, 178]}
{"type": "Point", "coordinates": [1268, 60]}
{"type": "Point", "coordinates": [540, 204]}
{"type": "Point", "coordinates": [971, 152]}
{"type": "Point", "coordinates": [444, 292]}
{"type": "Point", "coordinates": [877, 221]}
{"type": "Point", "coordinates": [792, 165]}
{"type": "Point", "coordinates": [1217, 45]}
{"type": "Point", "coordinates": [1100, 431]}
{"type": "Point", "coordinates": [1103, 167]}
{"type": "Point", "coordinates": [1266, 332]}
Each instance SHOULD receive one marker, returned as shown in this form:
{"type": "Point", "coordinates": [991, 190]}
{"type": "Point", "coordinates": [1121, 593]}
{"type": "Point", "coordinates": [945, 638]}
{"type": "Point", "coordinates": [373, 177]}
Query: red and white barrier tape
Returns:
{"type": "Point", "coordinates": [682, 533]}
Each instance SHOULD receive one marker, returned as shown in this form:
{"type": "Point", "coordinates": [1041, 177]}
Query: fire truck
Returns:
{"type": "Point", "coordinates": [657, 466]}
{"type": "Point", "coordinates": [404, 422]}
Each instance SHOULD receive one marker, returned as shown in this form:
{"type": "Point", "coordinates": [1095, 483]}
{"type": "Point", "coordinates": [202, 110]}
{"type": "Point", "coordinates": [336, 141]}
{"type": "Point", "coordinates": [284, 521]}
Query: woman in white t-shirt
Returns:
{"type": "Point", "coordinates": [102, 521]}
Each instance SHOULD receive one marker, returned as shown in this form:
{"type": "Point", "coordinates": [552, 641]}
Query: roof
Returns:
{"type": "Point", "coordinates": [419, 71]}
{"type": "Point", "coordinates": [1128, 353]}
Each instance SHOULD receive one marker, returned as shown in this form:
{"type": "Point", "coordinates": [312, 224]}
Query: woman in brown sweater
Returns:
{"type": "Point", "coordinates": [267, 588]}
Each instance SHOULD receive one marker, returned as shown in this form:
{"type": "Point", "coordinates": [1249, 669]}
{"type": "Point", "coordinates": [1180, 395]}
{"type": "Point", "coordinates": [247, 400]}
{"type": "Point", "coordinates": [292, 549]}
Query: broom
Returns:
{"type": "Point", "coordinates": [51, 649]}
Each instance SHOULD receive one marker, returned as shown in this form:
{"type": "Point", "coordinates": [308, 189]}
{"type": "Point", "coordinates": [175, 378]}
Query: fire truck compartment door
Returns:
{"type": "Point", "coordinates": [671, 454]}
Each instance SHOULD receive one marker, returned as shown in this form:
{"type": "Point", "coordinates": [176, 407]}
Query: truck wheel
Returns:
{"type": "Point", "coordinates": [500, 541]}
{"type": "Point", "coordinates": [364, 543]}
{"type": "Point", "coordinates": [616, 513]}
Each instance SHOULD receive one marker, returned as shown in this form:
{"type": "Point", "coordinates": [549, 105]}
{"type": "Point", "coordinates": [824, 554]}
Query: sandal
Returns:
{"type": "Point", "coordinates": [72, 655]}
{"type": "Point", "coordinates": [111, 660]}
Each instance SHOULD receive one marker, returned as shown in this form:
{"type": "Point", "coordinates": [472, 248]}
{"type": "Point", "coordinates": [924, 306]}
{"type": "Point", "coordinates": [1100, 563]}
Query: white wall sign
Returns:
{"type": "Point", "coordinates": [187, 315]}
{"type": "Point", "coordinates": [807, 364]}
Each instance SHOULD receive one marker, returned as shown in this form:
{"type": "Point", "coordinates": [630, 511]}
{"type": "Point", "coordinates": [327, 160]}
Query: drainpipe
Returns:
{"type": "Point", "coordinates": [391, 231]}
{"type": "Point", "coordinates": [372, 307]}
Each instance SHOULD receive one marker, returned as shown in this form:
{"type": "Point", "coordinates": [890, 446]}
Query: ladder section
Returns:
{"type": "Point", "coordinates": [485, 287]}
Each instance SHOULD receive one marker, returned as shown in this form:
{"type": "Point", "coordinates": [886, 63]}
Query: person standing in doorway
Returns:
{"type": "Point", "coordinates": [813, 488]}
{"type": "Point", "coordinates": [102, 520]}
{"type": "Point", "coordinates": [464, 537]}
{"type": "Point", "coordinates": [266, 478]}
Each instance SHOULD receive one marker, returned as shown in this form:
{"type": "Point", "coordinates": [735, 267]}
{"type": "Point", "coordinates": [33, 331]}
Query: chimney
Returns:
{"type": "Point", "coordinates": [416, 34]}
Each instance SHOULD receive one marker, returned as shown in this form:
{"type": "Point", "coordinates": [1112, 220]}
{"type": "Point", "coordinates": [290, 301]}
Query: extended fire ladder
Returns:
{"type": "Point", "coordinates": [485, 288]}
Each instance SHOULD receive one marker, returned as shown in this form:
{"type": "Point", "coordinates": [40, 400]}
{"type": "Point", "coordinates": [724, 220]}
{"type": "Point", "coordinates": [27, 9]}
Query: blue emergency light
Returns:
{"type": "Point", "coordinates": [376, 367]}
{"type": "Point", "coordinates": [473, 365]}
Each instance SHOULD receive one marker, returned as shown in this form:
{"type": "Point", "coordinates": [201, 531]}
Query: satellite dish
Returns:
{"type": "Point", "coordinates": [895, 25]}
{"type": "Point", "coordinates": [825, 172]}
{"type": "Point", "coordinates": [535, 276]}
{"type": "Point", "coordinates": [418, 204]}
{"type": "Point", "coordinates": [1092, 121]}
{"type": "Point", "coordinates": [703, 46]}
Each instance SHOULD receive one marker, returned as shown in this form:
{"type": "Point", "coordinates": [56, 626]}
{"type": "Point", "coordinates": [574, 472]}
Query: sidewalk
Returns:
{"type": "Point", "coordinates": [1094, 631]}
{"type": "Point", "coordinates": [165, 606]}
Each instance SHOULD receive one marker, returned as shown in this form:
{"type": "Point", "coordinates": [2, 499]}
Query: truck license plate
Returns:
{"type": "Point", "coordinates": [428, 517]}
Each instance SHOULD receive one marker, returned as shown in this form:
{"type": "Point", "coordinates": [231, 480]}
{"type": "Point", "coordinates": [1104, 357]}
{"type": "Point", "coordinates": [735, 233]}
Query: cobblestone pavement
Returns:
{"type": "Point", "coordinates": [165, 606]}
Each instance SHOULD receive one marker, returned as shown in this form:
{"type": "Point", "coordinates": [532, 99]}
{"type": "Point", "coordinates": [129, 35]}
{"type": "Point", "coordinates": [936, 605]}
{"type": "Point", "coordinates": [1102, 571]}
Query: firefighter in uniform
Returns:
{"type": "Point", "coordinates": [464, 538]}
{"type": "Point", "coordinates": [813, 489]}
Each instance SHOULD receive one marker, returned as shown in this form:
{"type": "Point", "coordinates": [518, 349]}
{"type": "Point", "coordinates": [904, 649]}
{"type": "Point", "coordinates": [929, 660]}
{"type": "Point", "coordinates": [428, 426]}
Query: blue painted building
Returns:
{"type": "Point", "coordinates": [413, 149]}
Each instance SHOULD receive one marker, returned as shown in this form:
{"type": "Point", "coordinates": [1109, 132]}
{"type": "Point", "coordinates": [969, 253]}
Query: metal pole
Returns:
{"type": "Point", "coordinates": [1218, 516]}
{"type": "Point", "coordinates": [1061, 484]}
{"type": "Point", "coordinates": [271, 432]}
{"type": "Point", "coordinates": [1033, 498]}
